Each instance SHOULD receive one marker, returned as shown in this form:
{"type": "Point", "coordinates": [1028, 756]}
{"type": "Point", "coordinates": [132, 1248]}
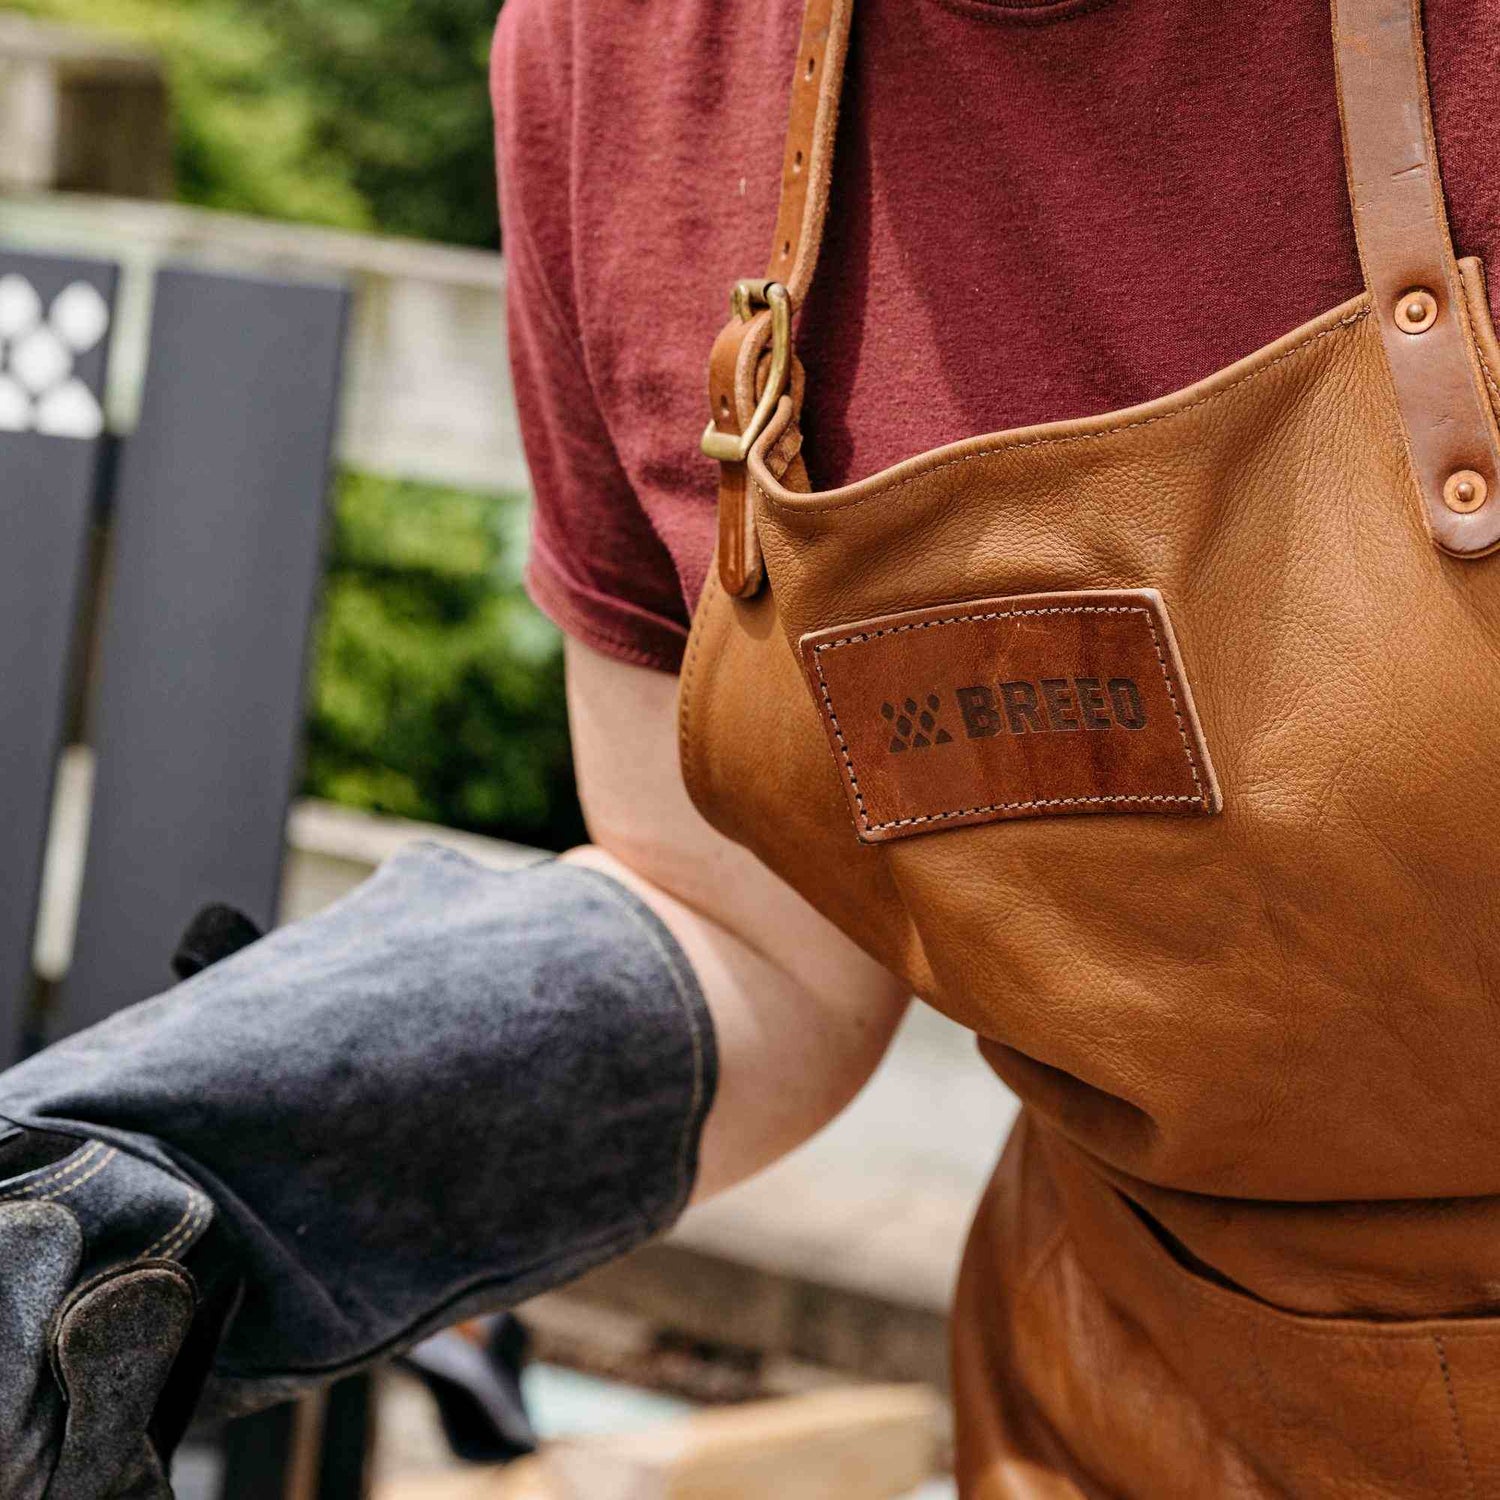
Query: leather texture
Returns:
{"type": "Point", "coordinates": [1244, 1244]}
{"type": "Point", "coordinates": [735, 366]}
{"type": "Point", "coordinates": [1111, 1369]}
{"type": "Point", "coordinates": [1404, 245]}
{"type": "Point", "coordinates": [1044, 705]}
{"type": "Point", "coordinates": [732, 377]}
{"type": "Point", "coordinates": [115, 1346]}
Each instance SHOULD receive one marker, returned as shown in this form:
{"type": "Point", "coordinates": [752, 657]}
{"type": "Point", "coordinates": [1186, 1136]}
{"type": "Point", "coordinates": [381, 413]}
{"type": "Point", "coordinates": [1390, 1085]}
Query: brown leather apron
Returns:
{"type": "Point", "coordinates": [1160, 748]}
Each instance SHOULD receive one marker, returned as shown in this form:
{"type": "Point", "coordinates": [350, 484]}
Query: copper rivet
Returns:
{"type": "Point", "coordinates": [1416, 310]}
{"type": "Point", "coordinates": [1465, 491]}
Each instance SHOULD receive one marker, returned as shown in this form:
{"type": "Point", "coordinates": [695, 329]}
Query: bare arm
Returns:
{"type": "Point", "coordinates": [802, 1016]}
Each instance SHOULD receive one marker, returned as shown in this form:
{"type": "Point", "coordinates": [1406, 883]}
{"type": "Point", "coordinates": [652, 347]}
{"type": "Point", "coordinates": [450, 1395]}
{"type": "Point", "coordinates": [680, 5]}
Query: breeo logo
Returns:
{"type": "Point", "coordinates": [1027, 706]}
{"type": "Point", "coordinates": [1050, 705]}
{"type": "Point", "coordinates": [916, 727]}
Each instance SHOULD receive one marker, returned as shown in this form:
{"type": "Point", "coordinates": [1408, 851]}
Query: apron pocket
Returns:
{"type": "Point", "coordinates": [1150, 1366]}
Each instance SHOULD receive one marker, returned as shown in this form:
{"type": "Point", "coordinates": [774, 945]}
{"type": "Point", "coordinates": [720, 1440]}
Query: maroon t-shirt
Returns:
{"type": "Point", "coordinates": [1041, 209]}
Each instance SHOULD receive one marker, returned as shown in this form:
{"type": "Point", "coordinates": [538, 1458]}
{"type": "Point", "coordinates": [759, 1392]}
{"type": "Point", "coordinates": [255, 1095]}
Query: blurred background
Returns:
{"type": "Point", "coordinates": [436, 690]}
{"type": "Point", "coordinates": [287, 208]}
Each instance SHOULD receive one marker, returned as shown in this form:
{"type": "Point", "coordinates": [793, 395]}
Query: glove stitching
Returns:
{"type": "Point", "coordinates": [77, 1182]}
{"type": "Point", "coordinates": [75, 1164]}
{"type": "Point", "coordinates": [182, 1232]}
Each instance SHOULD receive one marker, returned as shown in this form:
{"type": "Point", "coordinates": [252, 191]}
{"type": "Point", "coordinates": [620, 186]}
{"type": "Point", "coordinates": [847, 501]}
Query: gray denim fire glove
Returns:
{"type": "Point", "coordinates": [448, 1093]}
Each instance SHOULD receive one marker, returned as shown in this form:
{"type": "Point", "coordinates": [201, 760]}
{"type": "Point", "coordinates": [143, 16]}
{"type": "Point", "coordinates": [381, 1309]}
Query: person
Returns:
{"type": "Point", "coordinates": [457, 1088]}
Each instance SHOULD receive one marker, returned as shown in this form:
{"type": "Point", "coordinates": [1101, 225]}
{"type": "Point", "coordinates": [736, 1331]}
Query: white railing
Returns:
{"type": "Point", "coordinates": [427, 388]}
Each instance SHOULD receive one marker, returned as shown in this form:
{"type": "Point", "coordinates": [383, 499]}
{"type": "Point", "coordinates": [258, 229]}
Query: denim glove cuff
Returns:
{"type": "Point", "coordinates": [452, 1091]}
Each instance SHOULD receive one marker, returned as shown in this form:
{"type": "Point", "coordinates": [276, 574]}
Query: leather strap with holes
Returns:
{"type": "Point", "coordinates": [735, 365]}
{"type": "Point", "coordinates": [1410, 270]}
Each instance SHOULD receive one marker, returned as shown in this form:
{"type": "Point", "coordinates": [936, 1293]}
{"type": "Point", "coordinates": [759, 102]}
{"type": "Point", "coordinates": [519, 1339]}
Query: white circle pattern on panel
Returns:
{"type": "Point", "coordinates": [80, 316]}
{"type": "Point", "coordinates": [69, 411]}
{"type": "Point", "coordinates": [20, 307]}
{"type": "Point", "coordinates": [40, 361]}
{"type": "Point", "coordinates": [15, 406]}
{"type": "Point", "coordinates": [39, 391]}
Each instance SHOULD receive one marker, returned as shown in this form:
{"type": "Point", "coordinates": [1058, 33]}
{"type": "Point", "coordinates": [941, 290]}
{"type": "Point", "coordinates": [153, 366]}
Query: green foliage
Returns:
{"type": "Point", "coordinates": [361, 114]}
{"type": "Point", "coordinates": [400, 94]}
{"type": "Point", "coordinates": [438, 689]}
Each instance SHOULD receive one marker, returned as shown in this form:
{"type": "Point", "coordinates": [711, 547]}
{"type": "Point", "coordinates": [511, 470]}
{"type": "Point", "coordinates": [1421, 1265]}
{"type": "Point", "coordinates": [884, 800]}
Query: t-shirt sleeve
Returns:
{"type": "Point", "coordinates": [597, 568]}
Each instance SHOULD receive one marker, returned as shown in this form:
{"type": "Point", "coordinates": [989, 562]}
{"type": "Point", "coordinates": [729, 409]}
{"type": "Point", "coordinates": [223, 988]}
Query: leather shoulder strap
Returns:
{"type": "Point", "coordinates": [741, 392]}
{"type": "Point", "coordinates": [807, 166]}
{"type": "Point", "coordinates": [1410, 271]}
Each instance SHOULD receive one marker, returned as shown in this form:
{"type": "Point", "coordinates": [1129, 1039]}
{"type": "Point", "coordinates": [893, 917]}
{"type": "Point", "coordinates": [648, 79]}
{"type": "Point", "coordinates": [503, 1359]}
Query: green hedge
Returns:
{"type": "Point", "coordinates": [437, 688]}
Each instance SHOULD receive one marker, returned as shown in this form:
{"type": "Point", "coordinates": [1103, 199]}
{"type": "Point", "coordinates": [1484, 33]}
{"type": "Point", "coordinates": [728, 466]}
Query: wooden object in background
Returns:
{"type": "Point", "coordinates": [857, 1443]}
{"type": "Point", "coordinates": [853, 1443]}
{"type": "Point", "coordinates": [526, 1480]}
{"type": "Point", "coordinates": [82, 111]}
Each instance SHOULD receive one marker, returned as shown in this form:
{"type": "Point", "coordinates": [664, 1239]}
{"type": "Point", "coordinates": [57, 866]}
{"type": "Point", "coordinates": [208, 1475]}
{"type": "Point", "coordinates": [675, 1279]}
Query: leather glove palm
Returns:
{"type": "Point", "coordinates": [106, 1337]}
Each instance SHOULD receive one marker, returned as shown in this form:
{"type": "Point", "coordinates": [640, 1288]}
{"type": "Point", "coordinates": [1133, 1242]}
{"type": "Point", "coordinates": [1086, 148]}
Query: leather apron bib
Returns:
{"type": "Point", "coordinates": [1159, 749]}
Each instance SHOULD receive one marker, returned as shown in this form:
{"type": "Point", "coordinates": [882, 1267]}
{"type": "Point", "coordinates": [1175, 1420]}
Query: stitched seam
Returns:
{"type": "Point", "coordinates": [800, 502]}
{"type": "Point", "coordinates": [964, 812]}
{"type": "Point", "coordinates": [1006, 614]}
{"type": "Point", "coordinates": [200, 1219]}
{"type": "Point", "coordinates": [79, 1162]}
{"type": "Point", "coordinates": [181, 1233]}
{"type": "Point", "coordinates": [85, 1168]}
{"type": "Point", "coordinates": [78, 1182]}
{"type": "Point", "coordinates": [158, 1247]}
{"type": "Point", "coordinates": [192, 1231]}
{"type": "Point", "coordinates": [1489, 375]}
{"type": "Point", "coordinates": [1458, 1431]}
{"type": "Point", "coordinates": [1468, 309]}
{"type": "Point", "coordinates": [1476, 345]}
{"type": "Point", "coordinates": [1166, 678]}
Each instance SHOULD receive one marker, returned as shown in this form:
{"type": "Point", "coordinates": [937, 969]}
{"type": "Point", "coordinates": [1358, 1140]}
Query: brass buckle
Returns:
{"type": "Point", "coordinates": [744, 301]}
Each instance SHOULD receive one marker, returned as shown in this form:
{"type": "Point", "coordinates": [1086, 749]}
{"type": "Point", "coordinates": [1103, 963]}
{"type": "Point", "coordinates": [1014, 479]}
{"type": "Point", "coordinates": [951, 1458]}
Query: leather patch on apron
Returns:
{"type": "Point", "coordinates": [1032, 706]}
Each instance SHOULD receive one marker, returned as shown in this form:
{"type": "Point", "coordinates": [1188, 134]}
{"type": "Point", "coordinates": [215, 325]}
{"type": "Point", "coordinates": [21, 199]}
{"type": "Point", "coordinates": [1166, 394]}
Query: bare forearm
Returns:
{"type": "Point", "coordinates": [801, 1015]}
{"type": "Point", "coordinates": [790, 1057]}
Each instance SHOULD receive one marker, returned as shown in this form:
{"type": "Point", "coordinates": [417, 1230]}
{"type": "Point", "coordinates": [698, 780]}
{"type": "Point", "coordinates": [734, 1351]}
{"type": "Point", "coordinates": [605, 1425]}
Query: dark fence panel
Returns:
{"type": "Point", "coordinates": [219, 516]}
{"type": "Point", "coordinates": [55, 315]}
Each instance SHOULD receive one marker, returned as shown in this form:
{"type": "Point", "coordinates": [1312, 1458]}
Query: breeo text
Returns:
{"type": "Point", "coordinates": [1051, 705]}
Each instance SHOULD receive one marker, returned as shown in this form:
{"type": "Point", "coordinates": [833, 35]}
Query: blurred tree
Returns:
{"type": "Point", "coordinates": [361, 114]}
{"type": "Point", "coordinates": [399, 93]}
{"type": "Point", "coordinates": [438, 689]}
